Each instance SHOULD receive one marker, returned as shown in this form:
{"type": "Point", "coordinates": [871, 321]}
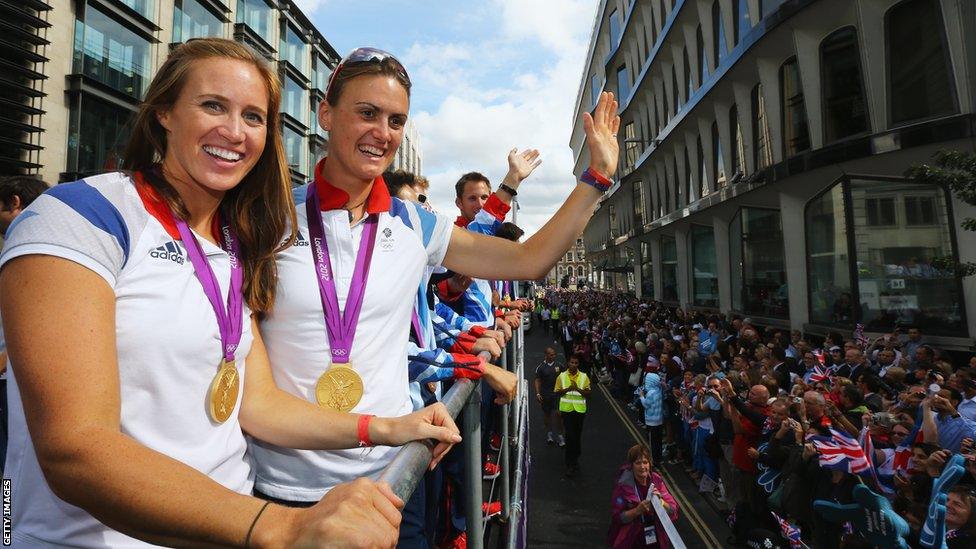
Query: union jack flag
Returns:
{"type": "Point", "coordinates": [820, 374]}
{"type": "Point", "coordinates": [862, 341]}
{"type": "Point", "coordinates": [790, 532]}
{"type": "Point", "coordinates": [840, 452]}
{"type": "Point", "coordinates": [884, 484]}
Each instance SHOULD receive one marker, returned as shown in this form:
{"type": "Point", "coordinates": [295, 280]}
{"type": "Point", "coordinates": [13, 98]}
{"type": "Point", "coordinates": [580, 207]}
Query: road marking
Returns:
{"type": "Point", "coordinates": [697, 522]}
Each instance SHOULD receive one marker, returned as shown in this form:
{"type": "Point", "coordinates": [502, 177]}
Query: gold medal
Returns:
{"type": "Point", "coordinates": [224, 389]}
{"type": "Point", "coordinates": [340, 388]}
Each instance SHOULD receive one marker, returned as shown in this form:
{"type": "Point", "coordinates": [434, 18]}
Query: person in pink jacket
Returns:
{"type": "Point", "coordinates": [634, 522]}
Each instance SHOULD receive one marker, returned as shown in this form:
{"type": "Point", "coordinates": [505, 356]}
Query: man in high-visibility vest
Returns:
{"type": "Point", "coordinates": [572, 387]}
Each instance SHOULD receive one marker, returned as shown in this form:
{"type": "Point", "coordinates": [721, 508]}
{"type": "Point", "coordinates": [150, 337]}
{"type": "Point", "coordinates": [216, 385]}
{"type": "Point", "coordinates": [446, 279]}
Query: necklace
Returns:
{"type": "Point", "coordinates": [350, 209]}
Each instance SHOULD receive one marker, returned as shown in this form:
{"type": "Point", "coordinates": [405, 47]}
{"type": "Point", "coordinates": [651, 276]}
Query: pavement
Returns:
{"type": "Point", "coordinates": [575, 512]}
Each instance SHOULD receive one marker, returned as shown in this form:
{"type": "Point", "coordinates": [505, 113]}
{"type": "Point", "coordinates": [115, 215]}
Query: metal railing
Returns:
{"type": "Point", "coordinates": [408, 467]}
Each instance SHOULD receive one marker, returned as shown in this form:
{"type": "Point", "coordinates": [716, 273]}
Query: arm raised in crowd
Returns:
{"type": "Point", "coordinates": [496, 258]}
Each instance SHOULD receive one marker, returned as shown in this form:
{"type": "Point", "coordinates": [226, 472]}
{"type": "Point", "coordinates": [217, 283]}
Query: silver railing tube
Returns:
{"type": "Point", "coordinates": [472, 471]}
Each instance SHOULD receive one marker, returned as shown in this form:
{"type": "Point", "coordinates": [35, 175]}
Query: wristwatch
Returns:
{"type": "Point", "coordinates": [509, 190]}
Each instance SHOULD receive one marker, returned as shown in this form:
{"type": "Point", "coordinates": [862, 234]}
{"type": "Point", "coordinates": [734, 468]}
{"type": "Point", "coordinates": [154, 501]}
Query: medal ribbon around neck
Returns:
{"type": "Point", "coordinates": [226, 385]}
{"type": "Point", "coordinates": [339, 389]}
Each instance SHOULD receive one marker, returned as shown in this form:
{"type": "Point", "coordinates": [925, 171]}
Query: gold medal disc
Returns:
{"type": "Point", "coordinates": [340, 388]}
{"type": "Point", "coordinates": [224, 390]}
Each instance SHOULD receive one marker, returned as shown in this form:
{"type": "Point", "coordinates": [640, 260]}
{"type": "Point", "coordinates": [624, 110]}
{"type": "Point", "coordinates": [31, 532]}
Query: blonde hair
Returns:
{"type": "Point", "coordinates": [261, 206]}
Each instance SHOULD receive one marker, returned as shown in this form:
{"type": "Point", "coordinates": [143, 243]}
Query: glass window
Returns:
{"type": "Point", "coordinates": [738, 153]}
{"type": "Point", "coordinates": [689, 81]}
{"type": "Point", "coordinates": [639, 203]}
{"type": "Point", "coordinates": [702, 172]}
{"type": "Point", "coordinates": [704, 267]}
{"type": "Point", "coordinates": [719, 47]}
{"type": "Point", "coordinates": [689, 197]}
{"type": "Point", "coordinates": [623, 83]}
{"type": "Point", "coordinates": [674, 90]}
{"type": "Point", "coordinates": [796, 136]}
{"type": "Point", "coordinates": [741, 25]}
{"type": "Point", "coordinates": [595, 87]}
{"type": "Point", "coordinates": [904, 271]}
{"type": "Point", "coordinates": [828, 271]}
{"type": "Point", "coordinates": [192, 20]}
{"type": "Point", "coordinates": [631, 146]}
{"type": "Point", "coordinates": [758, 267]}
{"type": "Point", "coordinates": [569, 256]}
{"type": "Point", "coordinates": [111, 54]}
{"type": "Point", "coordinates": [145, 8]}
{"type": "Point", "coordinates": [293, 48]}
{"type": "Point", "coordinates": [321, 74]}
{"type": "Point", "coordinates": [647, 271]}
{"type": "Point", "coordinates": [920, 210]}
{"type": "Point", "coordinates": [702, 57]}
{"type": "Point", "coordinates": [295, 150]}
{"type": "Point", "coordinates": [760, 130]}
{"type": "Point", "coordinates": [669, 269]}
{"type": "Point", "coordinates": [294, 101]}
{"type": "Point", "coordinates": [614, 28]}
{"type": "Point", "coordinates": [920, 77]}
{"type": "Point", "coordinates": [580, 272]}
{"type": "Point", "coordinates": [612, 215]}
{"type": "Point", "coordinates": [880, 211]}
{"type": "Point", "coordinates": [845, 111]}
{"type": "Point", "coordinates": [97, 134]}
{"type": "Point", "coordinates": [255, 14]}
{"type": "Point", "coordinates": [719, 159]}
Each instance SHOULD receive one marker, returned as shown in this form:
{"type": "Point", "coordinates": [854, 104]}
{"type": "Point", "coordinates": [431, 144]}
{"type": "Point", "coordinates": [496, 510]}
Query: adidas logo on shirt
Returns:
{"type": "Point", "coordinates": [300, 240]}
{"type": "Point", "coordinates": [170, 251]}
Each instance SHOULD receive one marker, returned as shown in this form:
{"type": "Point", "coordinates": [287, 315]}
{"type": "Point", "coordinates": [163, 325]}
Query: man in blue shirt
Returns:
{"type": "Point", "coordinates": [942, 421]}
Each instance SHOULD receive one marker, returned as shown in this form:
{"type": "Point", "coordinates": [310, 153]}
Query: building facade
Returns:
{"type": "Point", "coordinates": [81, 68]}
{"type": "Point", "coordinates": [573, 269]}
{"type": "Point", "coordinates": [764, 146]}
{"type": "Point", "coordinates": [409, 157]}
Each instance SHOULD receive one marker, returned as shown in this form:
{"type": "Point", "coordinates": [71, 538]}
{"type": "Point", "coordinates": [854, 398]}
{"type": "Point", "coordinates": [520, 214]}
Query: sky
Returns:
{"type": "Point", "coordinates": [487, 77]}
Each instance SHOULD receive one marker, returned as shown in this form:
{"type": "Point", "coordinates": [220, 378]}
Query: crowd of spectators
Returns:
{"type": "Point", "coordinates": [768, 421]}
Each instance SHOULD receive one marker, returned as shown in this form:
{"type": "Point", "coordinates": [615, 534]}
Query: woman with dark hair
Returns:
{"type": "Point", "coordinates": [634, 522]}
{"type": "Point", "coordinates": [130, 300]}
{"type": "Point", "coordinates": [366, 261]}
{"type": "Point", "coordinates": [961, 517]}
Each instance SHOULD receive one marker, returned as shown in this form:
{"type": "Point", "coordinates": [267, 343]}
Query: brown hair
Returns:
{"type": "Point", "coordinates": [467, 178]}
{"type": "Point", "coordinates": [346, 72]}
{"type": "Point", "coordinates": [638, 451]}
{"type": "Point", "coordinates": [261, 206]}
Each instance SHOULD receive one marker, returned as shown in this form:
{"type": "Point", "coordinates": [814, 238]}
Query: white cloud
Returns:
{"type": "Point", "coordinates": [516, 88]}
{"type": "Point", "coordinates": [309, 7]}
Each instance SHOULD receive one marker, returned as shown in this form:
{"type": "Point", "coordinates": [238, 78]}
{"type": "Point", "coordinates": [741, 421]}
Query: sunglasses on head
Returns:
{"type": "Point", "coordinates": [360, 56]}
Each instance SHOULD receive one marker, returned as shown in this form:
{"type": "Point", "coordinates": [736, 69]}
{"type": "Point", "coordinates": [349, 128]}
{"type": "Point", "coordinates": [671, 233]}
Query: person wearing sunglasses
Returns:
{"type": "Point", "coordinates": [130, 302]}
{"type": "Point", "coordinates": [369, 252]}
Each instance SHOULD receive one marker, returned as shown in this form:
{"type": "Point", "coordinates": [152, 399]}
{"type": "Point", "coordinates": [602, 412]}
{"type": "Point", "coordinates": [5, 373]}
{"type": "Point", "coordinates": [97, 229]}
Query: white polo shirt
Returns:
{"type": "Point", "coordinates": [408, 240]}
{"type": "Point", "coordinates": [167, 340]}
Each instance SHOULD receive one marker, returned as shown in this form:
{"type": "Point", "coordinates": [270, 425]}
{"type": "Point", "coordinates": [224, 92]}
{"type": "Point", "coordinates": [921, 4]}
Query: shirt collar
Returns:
{"type": "Point", "coordinates": [461, 221]}
{"type": "Point", "coordinates": [158, 208]}
{"type": "Point", "coordinates": [334, 198]}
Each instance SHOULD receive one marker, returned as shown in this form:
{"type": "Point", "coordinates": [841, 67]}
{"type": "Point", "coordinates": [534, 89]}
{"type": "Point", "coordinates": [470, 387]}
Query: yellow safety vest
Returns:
{"type": "Point", "coordinates": [573, 401]}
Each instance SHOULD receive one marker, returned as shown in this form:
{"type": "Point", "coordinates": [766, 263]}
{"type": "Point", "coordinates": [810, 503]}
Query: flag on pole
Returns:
{"type": "Point", "coordinates": [790, 532]}
{"type": "Point", "coordinates": [903, 453]}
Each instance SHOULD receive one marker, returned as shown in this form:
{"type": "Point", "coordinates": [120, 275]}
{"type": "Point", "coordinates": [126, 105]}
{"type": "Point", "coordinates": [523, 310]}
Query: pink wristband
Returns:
{"type": "Point", "coordinates": [364, 439]}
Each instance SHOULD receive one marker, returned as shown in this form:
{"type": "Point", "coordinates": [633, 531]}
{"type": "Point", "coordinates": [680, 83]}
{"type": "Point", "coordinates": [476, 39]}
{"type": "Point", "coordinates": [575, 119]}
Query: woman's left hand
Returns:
{"type": "Point", "coordinates": [601, 135]}
{"type": "Point", "coordinates": [432, 422]}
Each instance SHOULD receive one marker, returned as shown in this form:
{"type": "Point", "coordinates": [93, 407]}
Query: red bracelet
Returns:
{"type": "Point", "coordinates": [364, 439]}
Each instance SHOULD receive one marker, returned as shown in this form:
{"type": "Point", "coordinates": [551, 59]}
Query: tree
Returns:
{"type": "Point", "coordinates": [957, 171]}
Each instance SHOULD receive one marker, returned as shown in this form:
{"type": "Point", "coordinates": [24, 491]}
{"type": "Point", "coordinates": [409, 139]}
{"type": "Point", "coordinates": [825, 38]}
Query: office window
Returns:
{"type": "Point", "coordinates": [631, 146]}
{"type": "Point", "coordinates": [111, 54]}
{"type": "Point", "coordinates": [704, 266]}
{"type": "Point", "coordinates": [612, 215]}
{"type": "Point", "coordinates": [741, 25]}
{"type": "Point", "coordinates": [738, 153]}
{"type": "Point", "coordinates": [920, 210]}
{"type": "Point", "coordinates": [256, 14]}
{"type": "Point", "coordinates": [674, 89]}
{"type": "Point", "coordinates": [145, 8]}
{"type": "Point", "coordinates": [880, 211]}
{"type": "Point", "coordinates": [796, 135]}
{"type": "Point", "coordinates": [596, 86]}
{"type": "Point", "coordinates": [689, 81]}
{"type": "Point", "coordinates": [686, 188]}
{"type": "Point", "coordinates": [669, 269]}
{"type": "Point", "coordinates": [758, 271]}
{"type": "Point", "coordinates": [919, 74]}
{"type": "Point", "coordinates": [292, 48]}
{"type": "Point", "coordinates": [614, 29]}
{"type": "Point", "coordinates": [294, 100]}
{"type": "Point", "coordinates": [762, 155]}
{"type": "Point", "coordinates": [97, 134]}
{"type": "Point", "coordinates": [623, 83]}
{"type": "Point", "coordinates": [718, 159]}
{"type": "Point", "coordinates": [647, 271]}
{"type": "Point", "coordinates": [191, 19]}
{"type": "Point", "coordinates": [828, 271]}
{"type": "Point", "coordinates": [702, 57]}
{"type": "Point", "coordinates": [719, 46]}
{"type": "Point", "coordinates": [295, 150]}
{"type": "Point", "coordinates": [638, 204]}
{"type": "Point", "coordinates": [702, 172]}
{"type": "Point", "coordinates": [845, 109]}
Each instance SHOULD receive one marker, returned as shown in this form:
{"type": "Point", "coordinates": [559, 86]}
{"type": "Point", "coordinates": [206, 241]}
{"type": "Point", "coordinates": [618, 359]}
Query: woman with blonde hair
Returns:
{"type": "Point", "coordinates": [129, 302]}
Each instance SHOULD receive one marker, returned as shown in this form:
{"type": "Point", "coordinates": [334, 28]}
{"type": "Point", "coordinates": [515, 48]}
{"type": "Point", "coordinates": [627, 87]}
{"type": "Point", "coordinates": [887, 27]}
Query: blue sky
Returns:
{"type": "Point", "coordinates": [487, 77]}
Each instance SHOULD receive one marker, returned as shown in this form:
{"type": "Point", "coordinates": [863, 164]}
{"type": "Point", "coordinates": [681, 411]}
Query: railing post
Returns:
{"type": "Point", "coordinates": [504, 455]}
{"type": "Point", "coordinates": [472, 470]}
